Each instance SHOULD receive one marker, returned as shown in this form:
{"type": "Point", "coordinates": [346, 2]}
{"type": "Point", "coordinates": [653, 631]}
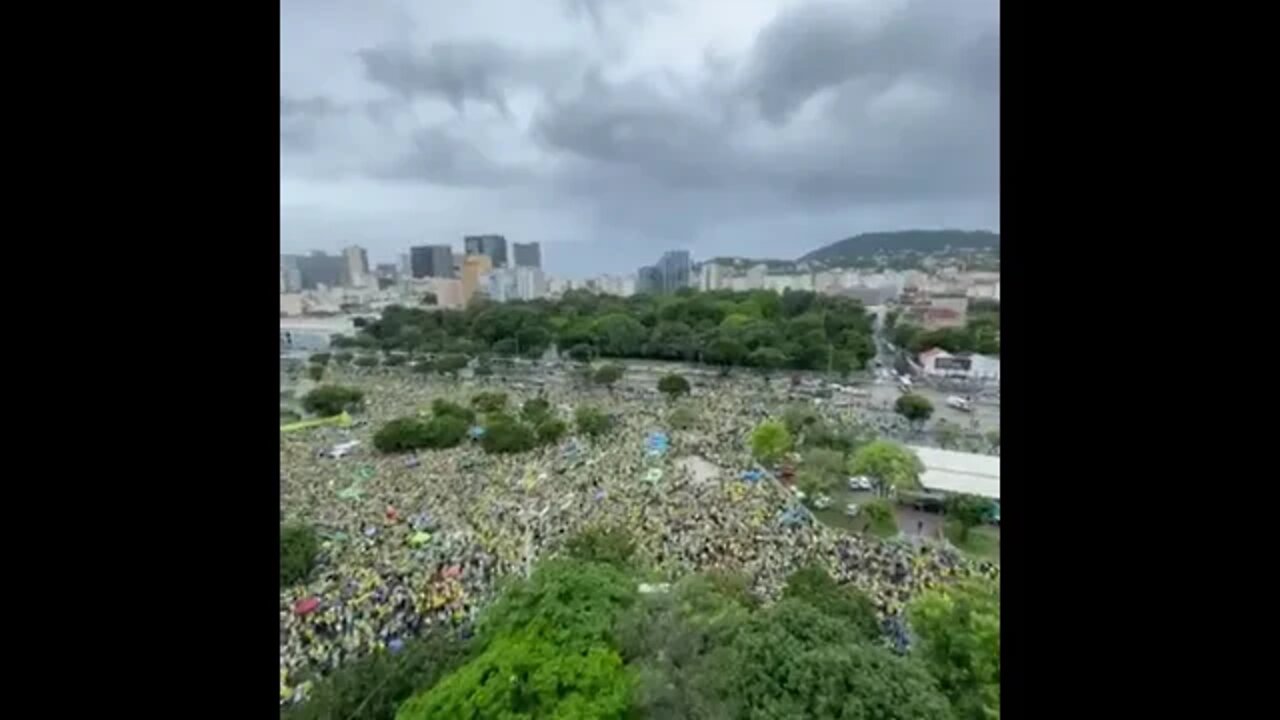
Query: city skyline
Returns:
{"type": "Point", "coordinates": [607, 129]}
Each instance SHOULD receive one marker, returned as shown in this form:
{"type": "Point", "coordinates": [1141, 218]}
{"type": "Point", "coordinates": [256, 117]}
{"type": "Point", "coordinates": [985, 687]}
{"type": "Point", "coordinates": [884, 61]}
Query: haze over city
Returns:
{"type": "Point", "coordinates": [609, 131]}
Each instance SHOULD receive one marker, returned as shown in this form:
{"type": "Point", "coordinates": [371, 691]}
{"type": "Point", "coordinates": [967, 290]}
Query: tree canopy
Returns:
{"type": "Point", "coordinates": [770, 441]}
{"type": "Point", "coordinates": [889, 465]}
{"type": "Point", "coordinates": [330, 400]}
{"type": "Point", "coordinates": [673, 385]}
{"type": "Point", "coordinates": [798, 329]}
{"type": "Point", "coordinates": [915, 408]}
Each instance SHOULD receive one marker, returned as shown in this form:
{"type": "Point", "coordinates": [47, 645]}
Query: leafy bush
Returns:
{"type": "Point", "coordinates": [441, 407]}
{"type": "Point", "coordinates": [608, 374]}
{"type": "Point", "coordinates": [342, 358]}
{"type": "Point", "coordinates": [330, 400]}
{"type": "Point", "coordinates": [581, 352]}
{"type": "Point", "coordinates": [550, 430]}
{"type": "Point", "coordinates": [591, 421]}
{"type": "Point", "coordinates": [915, 408]}
{"type": "Point", "coordinates": [673, 385]}
{"type": "Point", "coordinates": [288, 416]}
{"type": "Point", "coordinates": [321, 358]}
{"type": "Point", "coordinates": [367, 361]}
{"type": "Point", "coordinates": [409, 433]}
{"type": "Point", "coordinates": [535, 410]}
{"type": "Point", "coordinates": [682, 418]}
{"type": "Point", "coordinates": [298, 549]}
{"type": "Point", "coordinates": [451, 363]}
{"type": "Point", "coordinates": [609, 545]}
{"type": "Point", "coordinates": [507, 435]}
{"type": "Point", "coordinates": [395, 359]}
{"type": "Point", "coordinates": [315, 372]}
{"type": "Point", "coordinates": [968, 511]}
{"type": "Point", "coordinates": [489, 402]}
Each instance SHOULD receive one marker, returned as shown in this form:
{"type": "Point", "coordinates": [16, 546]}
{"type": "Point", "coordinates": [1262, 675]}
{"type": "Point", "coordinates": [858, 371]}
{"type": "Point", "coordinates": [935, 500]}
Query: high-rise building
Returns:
{"type": "Point", "coordinates": [473, 266]}
{"type": "Point", "coordinates": [406, 266]}
{"type": "Point", "coordinates": [431, 261]}
{"type": "Point", "coordinates": [494, 246]}
{"type": "Point", "coordinates": [649, 280]}
{"type": "Point", "coordinates": [319, 269]}
{"type": "Point", "coordinates": [527, 254]}
{"type": "Point", "coordinates": [676, 268]}
{"type": "Point", "coordinates": [355, 266]}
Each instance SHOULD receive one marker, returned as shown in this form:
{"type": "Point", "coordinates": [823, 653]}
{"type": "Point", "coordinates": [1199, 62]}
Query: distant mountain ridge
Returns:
{"type": "Point", "coordinates": [875, 243]}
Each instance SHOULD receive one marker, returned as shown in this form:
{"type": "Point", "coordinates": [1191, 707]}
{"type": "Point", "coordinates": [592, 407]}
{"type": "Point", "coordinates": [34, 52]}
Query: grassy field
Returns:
{"type": "Point", "coordinates": [983, 541]}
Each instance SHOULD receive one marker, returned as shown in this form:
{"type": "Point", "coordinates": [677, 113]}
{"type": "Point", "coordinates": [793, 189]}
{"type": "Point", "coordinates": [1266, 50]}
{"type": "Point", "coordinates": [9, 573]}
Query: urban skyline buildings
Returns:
{"type": "Point", "coordinates": [492, 246]}
{"type": "Point", "coordinates": [431, 261]}
{"type": "Point", "coordinates": [527, 254]}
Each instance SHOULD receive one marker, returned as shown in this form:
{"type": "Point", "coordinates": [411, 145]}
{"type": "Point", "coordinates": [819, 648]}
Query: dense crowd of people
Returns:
{"type": "Point", "coordinates": [413, 540]}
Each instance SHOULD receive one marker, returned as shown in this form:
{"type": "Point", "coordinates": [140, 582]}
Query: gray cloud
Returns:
{"type": "Point", "coordinates": [807, 124]}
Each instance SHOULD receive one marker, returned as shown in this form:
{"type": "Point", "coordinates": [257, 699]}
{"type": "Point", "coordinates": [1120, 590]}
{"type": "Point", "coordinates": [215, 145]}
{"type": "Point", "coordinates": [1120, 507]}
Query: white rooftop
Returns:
{"type": "Point", "coordinates": [959, 472]}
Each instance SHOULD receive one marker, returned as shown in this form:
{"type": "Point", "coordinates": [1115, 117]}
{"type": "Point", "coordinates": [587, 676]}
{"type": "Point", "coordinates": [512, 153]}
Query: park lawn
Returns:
{"type": "Point", "coordinates": [983, 541]}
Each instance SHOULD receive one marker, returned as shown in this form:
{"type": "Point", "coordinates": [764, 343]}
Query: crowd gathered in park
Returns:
{"type": "Point", "coordinates": [409, 514]}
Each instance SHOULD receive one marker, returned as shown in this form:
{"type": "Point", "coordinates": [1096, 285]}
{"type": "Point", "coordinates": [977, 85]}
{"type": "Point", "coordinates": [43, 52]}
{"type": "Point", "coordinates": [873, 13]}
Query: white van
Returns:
{"type": "Point", "coordinates": [959, 403]}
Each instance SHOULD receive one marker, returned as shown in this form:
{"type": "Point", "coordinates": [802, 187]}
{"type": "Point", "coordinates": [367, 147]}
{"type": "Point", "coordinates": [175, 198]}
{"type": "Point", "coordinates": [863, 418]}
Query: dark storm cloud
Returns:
{"type": "Point", "coordinates": [481, 72]}
{"type": "Point", "coordinates": [298, 119]}
{"type": "Point", "coordinates": [438, 157]}
{"type": "Point", "coordinates": [823, 45]}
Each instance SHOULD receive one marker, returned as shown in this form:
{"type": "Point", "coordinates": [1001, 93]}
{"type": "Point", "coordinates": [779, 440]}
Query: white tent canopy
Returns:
{"type": "Point", "coordinates": [959, 472]}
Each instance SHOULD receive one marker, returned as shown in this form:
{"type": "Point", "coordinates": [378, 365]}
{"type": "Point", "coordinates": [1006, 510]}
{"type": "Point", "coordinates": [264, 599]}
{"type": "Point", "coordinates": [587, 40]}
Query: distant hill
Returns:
{"type": "Point", "coordinates": [924, 241]}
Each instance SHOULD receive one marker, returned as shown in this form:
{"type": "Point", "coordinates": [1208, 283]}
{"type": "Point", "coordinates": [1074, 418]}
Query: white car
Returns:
{"type": "Point", "coordinates": [822, 502]}
{"type": "Point", "coordinates": [860, 482]}
{"type": "Point", "coordinates": [851, 509]}
{"type": "Point", "coordinates": [798, 492]}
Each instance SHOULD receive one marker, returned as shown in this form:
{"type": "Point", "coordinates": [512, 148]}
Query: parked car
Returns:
{"type": "Point", "coordinates": [860, 482]}
{"type": "Point", "coordinates": [851, 509]}
{"type": "Point", "coordinates": [822, 502]}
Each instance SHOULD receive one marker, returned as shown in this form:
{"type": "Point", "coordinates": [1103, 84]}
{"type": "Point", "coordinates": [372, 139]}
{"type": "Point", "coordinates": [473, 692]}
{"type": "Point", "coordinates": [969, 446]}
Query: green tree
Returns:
{"type": "Point", "coordinates": [521, 677]}
{"type": "Point", "coordinates": [889, 465]}
{"type": "Point", "coordinates": [374, 687]}
{"type": "Point", "coordinates": [429, 298]}
{"type": "Point", "coordinates": [489, 402]}
{"type": "Point", "coordinates": [395, 359]}
{"type": "Point", "coordinates": [321, 358]}
{"type": "Point", "coordinates": [993, 437]}
{"type": "Point", "coordinates": [608, 374]}
{"type": "Point", "coordinates": [550, 430]}
{"type": "Point", "coordinates": [330, 400]}
{"type": "Point", "coordinates": [367, 361]}
{"type": "Point", "coordinates": [968, 511]}
{"type": "Point", "coordinates": [315, 372]}
{"type": "Point", "coordinates": [958, 640]}
{"type": "Point", "coordinates": [915, 408]}
{"type": "Point", "coordinates": [574, 603]}
{"type": "Point", "coordinates": [591, 420]}
{"type": "Point", "coordinates": [792, 661]}
{"type": "Point", "coordinates": [814, 585]}
{"type": "Point", "coordinates": [505, 434]}
{"type": "Point", "coordinates": [673, 385]}
{"type": "Point", "coordinates": [342, 358]}
{"type": "Point", "coordinates": [767, 359]}
{"type": "Point", "coordinates": [770, 441]}
{"type": "Point", "coordinates": [298, 549]}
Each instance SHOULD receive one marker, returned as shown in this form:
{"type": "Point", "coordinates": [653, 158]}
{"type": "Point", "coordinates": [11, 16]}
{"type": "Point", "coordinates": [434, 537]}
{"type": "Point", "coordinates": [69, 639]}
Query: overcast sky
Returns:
{"type": "Point", "coordinates": [612, 130]}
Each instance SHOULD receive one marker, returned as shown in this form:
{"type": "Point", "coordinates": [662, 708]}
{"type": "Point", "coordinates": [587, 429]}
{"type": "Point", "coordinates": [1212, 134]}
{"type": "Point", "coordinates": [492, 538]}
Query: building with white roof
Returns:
{"type": "Point", "coordinates": [959, 472]}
